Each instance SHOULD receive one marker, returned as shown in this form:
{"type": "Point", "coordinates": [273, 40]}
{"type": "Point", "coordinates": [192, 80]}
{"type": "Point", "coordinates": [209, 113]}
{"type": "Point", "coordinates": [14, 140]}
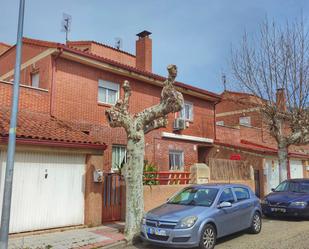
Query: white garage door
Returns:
{"type": "Point", "coordinates": [48, 190]}
{"type": "Point", "coordinates": [296, 169]}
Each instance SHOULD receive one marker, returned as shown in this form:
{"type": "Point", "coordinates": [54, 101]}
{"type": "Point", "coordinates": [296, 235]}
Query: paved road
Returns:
{"type": "Point", "coordinates": [275, 234]}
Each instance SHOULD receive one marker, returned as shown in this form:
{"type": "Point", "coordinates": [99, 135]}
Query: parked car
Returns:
{"type": "Point", "coordinates": [199, 214]}
{"type": "Point", "coordinates": [290, 198]}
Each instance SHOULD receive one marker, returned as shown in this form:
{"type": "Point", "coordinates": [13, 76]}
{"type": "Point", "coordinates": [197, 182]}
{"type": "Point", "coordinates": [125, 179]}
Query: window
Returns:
{"type": "Point", "coordinates": [176, 160]}
{"type": "Point", "coordinates": [35, 80]}
{"type": "Point", "coordinates": [118, 156]}
{"type": "Point", "coordinates": [227, 195]}
{"type": "Point", "coordinates": [241, 193]}
{"type": "Point", "coordinates": [108, 92]}
{"type": "Point", "coordinates": [220, 123]}
{"type": "Point", "coordinates": [187, 111]}
{"type": "Point", "coordinates": [245, 121]}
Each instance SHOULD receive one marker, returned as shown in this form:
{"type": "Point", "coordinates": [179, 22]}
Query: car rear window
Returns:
{"type": "Point", "coordinates": [241, 193]}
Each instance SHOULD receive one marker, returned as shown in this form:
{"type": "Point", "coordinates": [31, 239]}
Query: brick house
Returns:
{"type": "Point", "coordinates": [241, 131]}
{"type": "Point", "coordinates": [73, 84]}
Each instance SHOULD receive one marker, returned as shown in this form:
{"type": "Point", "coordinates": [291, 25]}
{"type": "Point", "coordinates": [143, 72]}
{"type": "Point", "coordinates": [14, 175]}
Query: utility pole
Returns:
{"type": "Point", "coordinates": [7, 195]}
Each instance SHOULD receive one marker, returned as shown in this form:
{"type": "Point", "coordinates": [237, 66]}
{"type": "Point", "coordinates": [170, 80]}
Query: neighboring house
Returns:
{"type": "Point", "coordinates": [241, 130]}
{"type": "Point", "coordinates": [72, 85]}
{"type": "Point", "coordinates": [4, 47]}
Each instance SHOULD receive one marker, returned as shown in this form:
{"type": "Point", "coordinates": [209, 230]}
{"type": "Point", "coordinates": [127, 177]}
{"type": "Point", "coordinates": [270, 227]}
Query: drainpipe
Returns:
{"type": "Point", "coordinates": [52, 90]}
{"type": "Point", "coordinates": [288, 168]}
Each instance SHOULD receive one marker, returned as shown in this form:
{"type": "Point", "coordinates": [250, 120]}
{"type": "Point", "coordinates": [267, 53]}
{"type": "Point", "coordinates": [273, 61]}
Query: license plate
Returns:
{"type": "Point", "coordinates": [280, 210]}
{"type": "Point", "coordinates": [156, 231]}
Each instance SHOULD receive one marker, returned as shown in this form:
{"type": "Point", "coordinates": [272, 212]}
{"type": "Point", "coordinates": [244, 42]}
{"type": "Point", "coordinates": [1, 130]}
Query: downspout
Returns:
{"type": "Point", "coordinates": [52, 90]}
{"type": "Point", "coordinates": [288, 168]}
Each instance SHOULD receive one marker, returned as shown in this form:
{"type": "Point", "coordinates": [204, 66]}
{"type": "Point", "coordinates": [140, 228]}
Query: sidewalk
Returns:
{"type": "Point", "coordinates": [83, 238]}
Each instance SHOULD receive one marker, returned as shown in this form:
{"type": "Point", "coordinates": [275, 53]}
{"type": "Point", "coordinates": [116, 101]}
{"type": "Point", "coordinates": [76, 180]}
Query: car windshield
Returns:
{"type": "Point", "coordinates": [195, 197]}
{"type": "Point", "coordinates": [297, 187]}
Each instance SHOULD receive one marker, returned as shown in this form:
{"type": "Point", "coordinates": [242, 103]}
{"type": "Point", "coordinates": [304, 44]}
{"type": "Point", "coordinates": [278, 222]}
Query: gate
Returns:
{"type": "Point", "coordinates": [112, 195]}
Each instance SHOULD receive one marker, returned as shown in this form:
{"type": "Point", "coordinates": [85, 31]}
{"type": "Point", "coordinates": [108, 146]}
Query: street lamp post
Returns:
{"type": "Point", "coordinates": [7, 195]}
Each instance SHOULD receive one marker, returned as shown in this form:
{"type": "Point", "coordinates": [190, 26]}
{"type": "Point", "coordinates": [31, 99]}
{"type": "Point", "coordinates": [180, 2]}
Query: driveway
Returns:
{"type": "Point", "coordinates": [275, 234]}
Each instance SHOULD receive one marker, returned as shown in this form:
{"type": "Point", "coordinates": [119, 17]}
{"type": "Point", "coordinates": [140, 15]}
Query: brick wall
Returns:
{"type": "Point", "coordinates": [30, 99]}
{"type": "Point", "coordinates": [104, 51]}
{"type": "Point", "coordinates": [76, 98]}
{"type": "Point", "coordinates": [7, 60]}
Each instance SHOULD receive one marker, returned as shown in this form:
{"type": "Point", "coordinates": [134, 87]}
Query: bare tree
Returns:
{"type": "Point", "coordinates": [136, 126]}
{"type": "Point", "coordinates": [274, 66]}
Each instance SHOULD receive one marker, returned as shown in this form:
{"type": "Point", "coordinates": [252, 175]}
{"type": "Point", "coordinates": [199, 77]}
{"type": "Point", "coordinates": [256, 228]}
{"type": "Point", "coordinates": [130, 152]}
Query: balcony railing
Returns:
{"type": "Point", "coordinates": [166, 178]}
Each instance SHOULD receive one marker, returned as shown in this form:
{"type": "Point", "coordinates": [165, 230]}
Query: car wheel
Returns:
{"type": "Point", "coordinates": [208, 237]}
{"type": "Point", "coordinates": [256, 223]}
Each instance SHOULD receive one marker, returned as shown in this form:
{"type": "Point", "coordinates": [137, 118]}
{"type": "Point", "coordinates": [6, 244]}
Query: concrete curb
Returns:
{"type": "Point", "coordinates": [119, 244]}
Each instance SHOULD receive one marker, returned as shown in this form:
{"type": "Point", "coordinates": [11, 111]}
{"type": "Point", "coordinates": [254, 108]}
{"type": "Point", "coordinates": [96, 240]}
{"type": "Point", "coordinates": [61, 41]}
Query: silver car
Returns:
{"type": "Point", "coordinates": [199, 214]}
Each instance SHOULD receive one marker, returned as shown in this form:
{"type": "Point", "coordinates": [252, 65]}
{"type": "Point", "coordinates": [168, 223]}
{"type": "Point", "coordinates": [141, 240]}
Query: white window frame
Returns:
{"type": "Point", "coordinates": [182, 113]}
{"type": "Point", "coordinates": [176, 152]}
{"type": "Point", "coordinates": [116, 146]}
{"type": "Point", "coordinates": [220, 123]}
{"type": "Point", "coordinates": [245, 123]}
{"type": "Point", "coordinates": [107, 85]}
{"type": "Point", "coordinates": [37, 82]}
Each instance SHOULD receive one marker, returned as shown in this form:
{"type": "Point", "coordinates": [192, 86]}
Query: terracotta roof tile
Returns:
{"type": "Point", "coordinates": [40, 126]}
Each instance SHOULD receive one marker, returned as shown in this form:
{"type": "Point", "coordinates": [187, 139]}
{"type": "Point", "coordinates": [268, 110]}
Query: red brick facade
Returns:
{"type": "Point", "coordinates": [70, 92]}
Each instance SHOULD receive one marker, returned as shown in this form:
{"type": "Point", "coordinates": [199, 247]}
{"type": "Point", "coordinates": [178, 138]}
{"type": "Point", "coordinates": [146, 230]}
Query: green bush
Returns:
{"type": "Point", "coordinates": [150, 167]}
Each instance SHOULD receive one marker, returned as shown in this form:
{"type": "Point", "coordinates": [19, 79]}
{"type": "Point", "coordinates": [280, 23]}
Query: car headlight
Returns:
{"type": "Point", "coordinates": [299, 204]}
{"type": "Point", "coordinates": [187, 222]}
{"type": "Point", "coordinates": [264, 201]}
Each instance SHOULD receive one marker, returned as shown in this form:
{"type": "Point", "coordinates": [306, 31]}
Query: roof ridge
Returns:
{"type": "Point", "coordinates": [101, 44]}
{"type": "Point", "coordinates": [5, 44]}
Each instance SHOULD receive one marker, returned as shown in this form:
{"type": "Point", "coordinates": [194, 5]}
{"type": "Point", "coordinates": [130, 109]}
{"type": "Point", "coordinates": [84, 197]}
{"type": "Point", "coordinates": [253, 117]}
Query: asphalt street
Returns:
{"type": "Point", "coordinates": [275, 234]}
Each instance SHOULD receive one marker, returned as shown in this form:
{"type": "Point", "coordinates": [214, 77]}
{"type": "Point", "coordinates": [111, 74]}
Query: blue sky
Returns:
{"type": "Point", "coordinates": [196, 35]}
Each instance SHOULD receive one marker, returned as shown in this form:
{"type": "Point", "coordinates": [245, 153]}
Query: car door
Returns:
{"type": "Point", "coordinates": [244, 205]}
{"type": "Point", "coordinates": [225, 217]}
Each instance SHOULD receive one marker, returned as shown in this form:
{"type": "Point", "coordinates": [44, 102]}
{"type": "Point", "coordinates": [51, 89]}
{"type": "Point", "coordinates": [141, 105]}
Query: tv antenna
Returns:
{"type": "Point", "coordinates": [224, 81]}
{"type": "Point", "coordinates": [66, 25]}
{"type": "Point", "coordinates": [118, 43]}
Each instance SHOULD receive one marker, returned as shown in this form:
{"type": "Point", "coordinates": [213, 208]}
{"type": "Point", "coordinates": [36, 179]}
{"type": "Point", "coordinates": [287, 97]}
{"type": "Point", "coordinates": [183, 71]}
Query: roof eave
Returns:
{"type": "Point", "coordinates": [115, 67]}
{"type": "Point", "coordinates": [52, 143]}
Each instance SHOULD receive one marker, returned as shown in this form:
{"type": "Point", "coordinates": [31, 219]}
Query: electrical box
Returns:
{"type": "Point", "coordinates": [200, 173]}
{"type": "Point", "coordinates": [97, 175]}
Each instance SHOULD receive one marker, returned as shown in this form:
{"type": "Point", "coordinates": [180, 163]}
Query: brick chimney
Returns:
{"type": "Point", "coordinates": [144, 51]}
{"type": "Point", "coordinates": [281, 100]}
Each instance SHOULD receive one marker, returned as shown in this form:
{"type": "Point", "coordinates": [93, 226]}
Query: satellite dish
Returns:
{"type": "Point", "coordinates": [66, 24]}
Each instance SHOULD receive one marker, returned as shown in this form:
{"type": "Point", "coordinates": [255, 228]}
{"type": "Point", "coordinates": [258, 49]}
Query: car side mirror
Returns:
{"type": "Point", "coordinates": [272, 190]}
{"type": "Point", "coordinates": [225, 204]}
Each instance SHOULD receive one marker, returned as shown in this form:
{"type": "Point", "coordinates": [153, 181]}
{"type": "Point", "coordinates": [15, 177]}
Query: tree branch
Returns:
{"type": "Point", "coordinates": [158, 123]}
{"type": "Point", "coordinates": [171, 102]}
{"type": "Point", "coordinates": [118, 115]}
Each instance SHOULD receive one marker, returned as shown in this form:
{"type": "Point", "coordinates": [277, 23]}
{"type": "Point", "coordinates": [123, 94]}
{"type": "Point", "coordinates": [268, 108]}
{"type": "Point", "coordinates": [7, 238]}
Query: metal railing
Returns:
{"type": "Point", "coordinates": [166, 178]}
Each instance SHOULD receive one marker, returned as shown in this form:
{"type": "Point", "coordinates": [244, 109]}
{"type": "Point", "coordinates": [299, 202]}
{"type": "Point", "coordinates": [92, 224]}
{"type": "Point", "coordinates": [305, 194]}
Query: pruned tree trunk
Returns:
{"type": "Point", "coordinates": [283, 161]}
{"type": "Point", "coordinates": [134, 187]}
{"type": "Point", "coordinates": [136, 126]}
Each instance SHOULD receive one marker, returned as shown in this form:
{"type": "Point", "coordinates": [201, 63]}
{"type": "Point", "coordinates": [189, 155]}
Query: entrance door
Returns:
{"type": "Point", "coordinates": [48, 190]}
{"type": "Point", "coordinates": [296, 169]}
{"type": "Point", "coordinates": [272, 167]}
{"type": "Point", "coordinates": [112, 196]}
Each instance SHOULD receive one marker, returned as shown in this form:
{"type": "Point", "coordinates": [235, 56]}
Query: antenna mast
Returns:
{"type": "Point", "coordinates": [66, 25]}
{"type": "Point", "coordinates": [224, 81]}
